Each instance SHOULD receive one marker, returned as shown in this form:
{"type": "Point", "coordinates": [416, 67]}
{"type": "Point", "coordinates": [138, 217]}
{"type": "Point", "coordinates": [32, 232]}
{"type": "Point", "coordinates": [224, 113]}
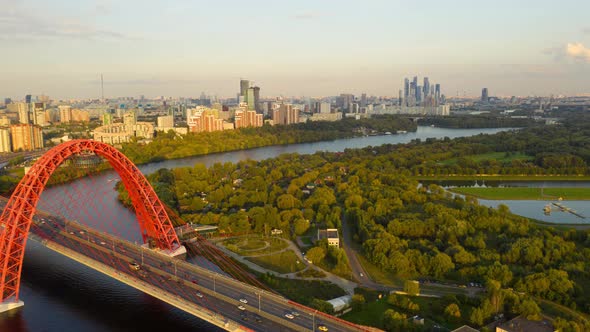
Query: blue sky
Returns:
{"type": "Point", "coordinates": [292, 47]}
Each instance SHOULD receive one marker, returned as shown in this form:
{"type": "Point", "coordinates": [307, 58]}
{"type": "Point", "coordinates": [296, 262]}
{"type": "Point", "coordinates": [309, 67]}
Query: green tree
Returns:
{"type": "Point", "coordinates": [440, 264]}
{"type": "Point", "coordinates": [357, 301]}
{"type": "Point", "coordinates": [453, 312]}
{"type": "Point", "coordinates": [530, 310]}
{"type": "Point", "coordinates": [412, 287]}
{"type": "Point", "coordinates": [316, 254]}
{"type": "Point", "coordinates": [323, 306]}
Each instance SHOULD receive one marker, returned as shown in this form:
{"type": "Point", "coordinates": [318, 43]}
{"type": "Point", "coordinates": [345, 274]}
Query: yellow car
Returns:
{"type": "Point", "coordinates": [323, 328]}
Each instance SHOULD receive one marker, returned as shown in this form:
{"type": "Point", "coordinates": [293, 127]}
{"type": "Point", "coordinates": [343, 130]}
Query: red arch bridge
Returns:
{"type": "Point", "coordinates": [155, 265]}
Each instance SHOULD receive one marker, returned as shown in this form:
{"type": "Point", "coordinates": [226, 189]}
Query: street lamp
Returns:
{"type": "Point", "coordinates": [313, 320]}
{"type": "Point", "coordinates": [213, 275]}
{"type": "Point", "coordinates": [258, 293]}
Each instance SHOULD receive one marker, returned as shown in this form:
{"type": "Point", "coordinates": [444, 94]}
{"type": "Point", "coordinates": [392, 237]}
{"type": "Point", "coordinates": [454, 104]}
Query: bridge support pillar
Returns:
{"type": "Point", "coordinates": [10, 304]}
{"type": "Point", "coordinates": [178, 253]}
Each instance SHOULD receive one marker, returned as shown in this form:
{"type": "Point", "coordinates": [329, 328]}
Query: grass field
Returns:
{"type": "Point", "coordinates": [526, 193]}
{"type": "Point", "coordinates": [254, 245]}
{"type": "Point", "coordinates": [304, 291]}
{"type": "Point", "coordinates": [503, 178]}
{"type": "Point", "coordinates": [497, 156]}
{"type": "Point", "coordinates": [283, 262]}
{"type": "Point", "coordinates": [431, 309]}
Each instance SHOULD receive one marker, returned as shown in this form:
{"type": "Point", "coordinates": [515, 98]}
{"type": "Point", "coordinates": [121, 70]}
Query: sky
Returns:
{"type": "Point", "coordinates": [292, 47]}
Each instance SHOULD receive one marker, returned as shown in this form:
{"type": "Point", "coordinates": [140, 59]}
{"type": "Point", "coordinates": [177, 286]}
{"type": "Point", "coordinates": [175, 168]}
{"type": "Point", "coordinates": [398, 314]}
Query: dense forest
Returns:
{"type": "Point", "coordinates": [408, 229]}
{"type": "Point", "coordinates": [476, 121]}
{"type": "Point", "coordinates": [172, 146]}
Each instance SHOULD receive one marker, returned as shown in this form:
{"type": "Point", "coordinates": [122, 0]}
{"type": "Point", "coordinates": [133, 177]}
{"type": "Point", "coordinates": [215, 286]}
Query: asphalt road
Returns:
{"type": "Point", "coordinates": [218, 293]}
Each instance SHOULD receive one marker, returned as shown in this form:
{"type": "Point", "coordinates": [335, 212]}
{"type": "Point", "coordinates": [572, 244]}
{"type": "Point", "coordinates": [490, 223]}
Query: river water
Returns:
{"type": "Point", "coordinates": [61, 295]}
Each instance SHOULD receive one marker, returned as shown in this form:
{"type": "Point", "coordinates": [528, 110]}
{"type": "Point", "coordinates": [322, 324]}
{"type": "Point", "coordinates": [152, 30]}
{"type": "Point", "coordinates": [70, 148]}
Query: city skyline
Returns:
{"type": "Point", "coordinates": [307, 48]}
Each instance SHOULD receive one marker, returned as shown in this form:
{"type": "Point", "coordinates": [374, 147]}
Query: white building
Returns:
{"type": "Point", "coordinates": [331, 234]}
{"type": "Point", "coordinates": [165, 121]}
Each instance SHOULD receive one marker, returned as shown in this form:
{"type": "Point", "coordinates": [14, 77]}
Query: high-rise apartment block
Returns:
{"type": "Point", "coordinates": [165, 121]}
{"type": "Point", "coordinates": [65, 113]}
{"type": "Point", "coordinates": [247, 118]}
{"type": "Point", "coordinates": [325, 108]}
{"type": "Point", "coordinates": [5, 140]}
{"type": "Point", "coordinates": [203, 119]}
{"type": "Point", "coordinates": [285, 114]}
{"type": "Point", "coordinates": [26, 137]}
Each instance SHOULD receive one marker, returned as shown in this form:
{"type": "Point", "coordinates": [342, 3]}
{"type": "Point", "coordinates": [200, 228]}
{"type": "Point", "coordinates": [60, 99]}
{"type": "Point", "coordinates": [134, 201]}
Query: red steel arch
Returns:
{"type": "Point", "coordinates": [16, 218]}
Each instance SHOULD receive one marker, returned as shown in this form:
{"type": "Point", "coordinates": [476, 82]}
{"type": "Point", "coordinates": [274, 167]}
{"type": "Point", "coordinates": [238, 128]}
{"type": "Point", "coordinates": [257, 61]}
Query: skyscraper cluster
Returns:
{"type": "Point", "coordinates": [250, 95]}
{"type": "Point", "coordinates": [427, 94]}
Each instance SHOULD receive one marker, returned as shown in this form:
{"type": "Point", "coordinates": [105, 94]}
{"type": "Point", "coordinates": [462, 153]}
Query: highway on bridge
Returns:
{"type": "Point", "coordinates": [215, 293]}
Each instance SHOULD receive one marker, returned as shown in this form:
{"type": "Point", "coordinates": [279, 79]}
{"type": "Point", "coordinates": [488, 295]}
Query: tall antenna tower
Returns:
{"type": "Point", "coordinates": [101, 88]}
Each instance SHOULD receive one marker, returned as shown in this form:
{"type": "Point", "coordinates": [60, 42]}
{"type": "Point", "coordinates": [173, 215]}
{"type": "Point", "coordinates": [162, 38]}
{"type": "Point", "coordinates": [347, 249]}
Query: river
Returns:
{"type": "Point", "coordinates": [61, 295]}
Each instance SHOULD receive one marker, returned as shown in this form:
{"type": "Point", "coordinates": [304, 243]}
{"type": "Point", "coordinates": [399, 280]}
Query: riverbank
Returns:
{"type": "Point", "coordinates": [519, 193]}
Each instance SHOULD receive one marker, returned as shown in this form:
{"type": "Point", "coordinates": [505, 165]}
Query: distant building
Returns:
{"type": "Point", "coordinates": [130, 118]}
{"type": "Point", "coordinates": [521, 324]}
{"type": "Point", "coordinates": [65, 113]}
{"type": "Point", "coordinates": [331, 234]}
{"type": "Point", "coordinates": [285, 114]}
{"type": "Point", "coordinates": [326, 116]}
{"type": "Point", "coordinates": [325, 108]}
{"type": "Point", "coordinates": [244, 86]}
{"type": "Point", "coordinates": [247, 118]}
{"type": "Point", "coordinates": [80, 116]}
{"type": "Point", "coordinates": [204, 119]}
{"type": "Point", "coordinates": [165, 121]}
{"type": "Point", "coordinates": [22, 110]}
{"type": "Point", "coordinates": [5, 121]}
{"type": "Point", "coordinates": [118, 133]}
{"type": "Point", "coordinates": [38, 114]}
{"type": "Point", "coordinates": [484, 95]}
{"type": "Point", "coordinates": [253, 98]}
{"type": "Point", "coordinates": [5, 145]}
{"type": "Point", "coordinates": [26, 137]}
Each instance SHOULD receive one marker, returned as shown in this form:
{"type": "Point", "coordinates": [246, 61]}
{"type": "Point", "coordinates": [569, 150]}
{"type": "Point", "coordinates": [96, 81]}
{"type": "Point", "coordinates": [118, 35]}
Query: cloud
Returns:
{"type": "Point", "coordinates": [306, 16]}
{"type": "Point", "coordinates": [578, 51]}
{"type": "Point", "coordinates": [17, 23]}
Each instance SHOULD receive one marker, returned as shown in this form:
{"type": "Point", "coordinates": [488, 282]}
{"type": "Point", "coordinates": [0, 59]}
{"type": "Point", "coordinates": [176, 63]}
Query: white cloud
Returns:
{"type": "Point", "coordinates": [578, 51]}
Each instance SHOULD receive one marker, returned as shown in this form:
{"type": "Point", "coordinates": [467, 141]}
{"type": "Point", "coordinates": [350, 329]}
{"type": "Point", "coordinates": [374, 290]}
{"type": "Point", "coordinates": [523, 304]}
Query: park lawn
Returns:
{"type": "Point", "coordinates": [497, 156]}
{"type": "Point", "coordinates": [303, 291]}
{"type": "Point", "coordinates": [254, 245]}
{"type": "Point", "coordinates": [371, 314]}
{"type": "Point", "coordinates": [526, 193]}
{"type": "Point", "coordinates": [283, 262]}
{"type": "Point", "coordinates": [431, 309]}
{"type": "Point", "coordinates": [498, 177]}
